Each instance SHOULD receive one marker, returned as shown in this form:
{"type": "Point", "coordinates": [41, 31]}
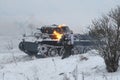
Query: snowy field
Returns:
{"type": "Point", "coordinates": [15, 65]}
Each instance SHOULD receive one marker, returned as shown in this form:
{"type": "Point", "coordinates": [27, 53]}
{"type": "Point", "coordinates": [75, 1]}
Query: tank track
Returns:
{"type": "Point", "coordinates": [40, 49]}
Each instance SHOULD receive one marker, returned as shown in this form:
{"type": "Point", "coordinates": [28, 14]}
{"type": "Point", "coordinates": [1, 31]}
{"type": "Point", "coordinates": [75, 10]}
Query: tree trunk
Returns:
{"type": "Point", "coordinates": [111, 64]}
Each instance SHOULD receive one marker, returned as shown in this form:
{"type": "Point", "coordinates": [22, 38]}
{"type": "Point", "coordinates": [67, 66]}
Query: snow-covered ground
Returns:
{"type": "Point", "coordinates": [15, 65]}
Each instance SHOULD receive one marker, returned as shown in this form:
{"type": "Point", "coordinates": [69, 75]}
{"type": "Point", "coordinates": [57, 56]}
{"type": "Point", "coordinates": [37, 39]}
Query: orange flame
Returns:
{"type": "Point", "coordinates": [58, 35]}
{"type": "Point", "coordinates": [61, 25]}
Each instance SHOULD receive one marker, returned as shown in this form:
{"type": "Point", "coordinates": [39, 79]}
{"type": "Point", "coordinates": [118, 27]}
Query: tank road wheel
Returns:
{"type": "Point", "coordinates": [75, 50]}
{"type": "Point", "coordinates": [62, 51]}
{"type": "Point", "coordinates": [52, 52]}
{"type": "Point", "coordinates": [42, 49]}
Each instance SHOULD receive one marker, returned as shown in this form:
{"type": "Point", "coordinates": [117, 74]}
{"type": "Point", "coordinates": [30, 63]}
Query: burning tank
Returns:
{"type": "Point", "coordinates": [46, 42]}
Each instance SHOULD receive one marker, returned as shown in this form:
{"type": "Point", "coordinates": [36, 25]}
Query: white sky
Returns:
{"type": "Point", "coordinates": [75, 13]}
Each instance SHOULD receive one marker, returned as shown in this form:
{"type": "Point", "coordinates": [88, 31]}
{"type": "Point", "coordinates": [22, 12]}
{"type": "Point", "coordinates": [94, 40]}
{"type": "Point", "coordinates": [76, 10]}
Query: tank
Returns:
{"type": "Point", "coordinates": [46, 42]}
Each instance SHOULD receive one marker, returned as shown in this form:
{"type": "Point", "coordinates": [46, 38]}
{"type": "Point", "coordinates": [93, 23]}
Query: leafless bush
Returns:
{"type": "Point", "coordinates": [106, 32]}
{"type": "Point", "coordinates": [10, 45]}
{"type": "Point", "coordinates": [3, 75]}
{"type": "Point", "coordinates": [14, 58]}
{"type": "Point", "coordinates": [83, 77]}
{"type": "Point", "coordinates": [54, 64]}
{"type": "Point", "coordinates": [104, 77]}
{"type": "Point", "coordinates": [35, 71]}
{"type": "Point", "coordinates": [75, 73]}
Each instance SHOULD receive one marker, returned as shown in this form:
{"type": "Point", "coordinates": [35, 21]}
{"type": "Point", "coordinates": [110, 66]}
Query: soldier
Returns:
{"type": "Point", "coordinates": [68, 42]}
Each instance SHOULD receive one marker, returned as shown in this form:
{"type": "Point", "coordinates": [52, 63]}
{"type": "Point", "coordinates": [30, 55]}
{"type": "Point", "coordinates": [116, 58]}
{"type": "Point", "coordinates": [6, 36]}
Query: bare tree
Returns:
{"type": "Point", "coordinates": [106, 30]}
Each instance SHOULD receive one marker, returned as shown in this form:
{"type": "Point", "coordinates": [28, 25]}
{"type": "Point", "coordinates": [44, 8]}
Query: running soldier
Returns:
{"type": "Point", "coordinates": [68, 43]}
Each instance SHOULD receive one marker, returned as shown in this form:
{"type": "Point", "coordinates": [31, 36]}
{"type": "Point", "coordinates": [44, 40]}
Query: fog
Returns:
{"type": "Point", "coordinates": [15, 15]}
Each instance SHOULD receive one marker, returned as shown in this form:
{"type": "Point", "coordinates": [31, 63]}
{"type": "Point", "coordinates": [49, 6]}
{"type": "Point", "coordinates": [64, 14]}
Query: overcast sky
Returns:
{"type": "Point", "coordinates": [75, 13]}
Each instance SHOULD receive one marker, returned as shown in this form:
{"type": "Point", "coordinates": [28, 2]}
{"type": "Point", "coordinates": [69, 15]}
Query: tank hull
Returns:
{"type": "Point", "coordinates": [44, 47]}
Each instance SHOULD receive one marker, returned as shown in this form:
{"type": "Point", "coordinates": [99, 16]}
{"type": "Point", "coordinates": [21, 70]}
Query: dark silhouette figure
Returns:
{"type": "Point", "coordinates": [68, 42]}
